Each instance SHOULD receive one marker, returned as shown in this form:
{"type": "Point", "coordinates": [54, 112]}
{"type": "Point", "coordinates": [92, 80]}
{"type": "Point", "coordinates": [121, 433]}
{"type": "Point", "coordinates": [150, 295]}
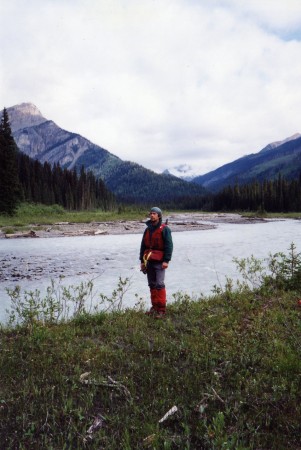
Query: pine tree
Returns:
{"type": "Point", "coordinates": [10, 191]}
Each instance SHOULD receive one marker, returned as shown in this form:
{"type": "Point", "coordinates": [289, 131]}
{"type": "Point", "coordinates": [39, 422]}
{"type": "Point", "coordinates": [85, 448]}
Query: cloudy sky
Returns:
{"type": "Point", "coordinates": [158, 82]}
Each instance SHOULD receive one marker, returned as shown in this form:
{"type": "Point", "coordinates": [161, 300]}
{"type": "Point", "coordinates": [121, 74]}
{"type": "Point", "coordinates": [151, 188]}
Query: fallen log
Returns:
{"type": "Point", "coordinates": [31, 234]}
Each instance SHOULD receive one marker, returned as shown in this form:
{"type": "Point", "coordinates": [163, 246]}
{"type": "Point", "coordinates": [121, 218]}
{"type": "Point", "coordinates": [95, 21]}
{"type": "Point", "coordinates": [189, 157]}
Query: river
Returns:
{"type": "Point", "coordinates": [201, 259]}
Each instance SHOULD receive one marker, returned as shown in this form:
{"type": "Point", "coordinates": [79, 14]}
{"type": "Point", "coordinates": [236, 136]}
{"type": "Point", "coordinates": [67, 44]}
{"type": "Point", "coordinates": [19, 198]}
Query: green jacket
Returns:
{"type": "Point", "coordinates": [167, 238]}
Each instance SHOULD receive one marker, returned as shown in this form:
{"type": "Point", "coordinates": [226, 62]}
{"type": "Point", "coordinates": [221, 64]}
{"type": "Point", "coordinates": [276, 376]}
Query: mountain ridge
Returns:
{"type": "Point", "coordinates": [188, 173]}
{"type": "Point", "coordinates": [276, 144]}
{"type": "Point", "coordinates": [44, 140]}
{"type": "Point", "coordinates": [282, 157]}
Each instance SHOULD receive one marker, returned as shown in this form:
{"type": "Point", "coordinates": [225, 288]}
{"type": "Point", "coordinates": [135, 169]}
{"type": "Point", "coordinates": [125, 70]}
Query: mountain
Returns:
{"type": "Point", "coordinates": [25, 115]}
{"type": "Point", "coordinates": [282, 157]}
{"type": "Point", "coordinates": [43, 140]}
{"type": "Point", "coordinates": [183, 171]}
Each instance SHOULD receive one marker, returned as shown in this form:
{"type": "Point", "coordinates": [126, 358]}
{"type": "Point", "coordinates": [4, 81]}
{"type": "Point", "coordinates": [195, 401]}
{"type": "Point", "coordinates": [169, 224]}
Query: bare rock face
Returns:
{"type": "Point", "coordinates": [43, 140]}
{"type": "Point", "coordinates": [24, 115]}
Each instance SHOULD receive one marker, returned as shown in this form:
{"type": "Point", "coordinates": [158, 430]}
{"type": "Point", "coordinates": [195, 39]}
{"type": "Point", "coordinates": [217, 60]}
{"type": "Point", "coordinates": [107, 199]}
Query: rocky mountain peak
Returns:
{"type": "Point", "coordinates": [24, 115]}
{"type": "Point", "coordinates": [276, 144]}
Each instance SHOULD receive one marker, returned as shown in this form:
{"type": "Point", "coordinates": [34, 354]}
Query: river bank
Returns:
{"type": "Point", "coordinates": [177, 221]}
{"type": "Point", "coordinates": [229, 371]}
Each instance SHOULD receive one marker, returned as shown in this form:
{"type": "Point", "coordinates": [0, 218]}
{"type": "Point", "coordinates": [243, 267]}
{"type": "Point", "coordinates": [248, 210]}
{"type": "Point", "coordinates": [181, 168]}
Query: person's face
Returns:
{"type": "Point", "coordinates": [154, 217]}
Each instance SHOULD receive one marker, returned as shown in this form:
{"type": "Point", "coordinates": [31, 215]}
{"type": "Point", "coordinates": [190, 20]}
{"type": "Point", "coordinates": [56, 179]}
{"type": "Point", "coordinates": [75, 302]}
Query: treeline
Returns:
{"type": "Point", "coordinates": [43, 183]}
{"type": "Point", "coordinates": [279, 195]}
{"type": "Point", "coordinates": [25, 179]}
{"type": "Point", "coordinates": [10, 188]}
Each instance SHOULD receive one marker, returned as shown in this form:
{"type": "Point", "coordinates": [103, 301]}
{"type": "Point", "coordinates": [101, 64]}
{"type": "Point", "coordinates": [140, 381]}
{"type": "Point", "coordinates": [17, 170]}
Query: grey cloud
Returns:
{"type": "Point", "coordinates": [160, 83]}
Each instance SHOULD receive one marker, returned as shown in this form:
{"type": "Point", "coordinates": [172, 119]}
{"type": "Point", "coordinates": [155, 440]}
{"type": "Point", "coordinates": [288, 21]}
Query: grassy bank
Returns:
{"type": "Point", "coordinates": [38, 214]}
{"type": "Point", "coordinates": [230, 364]}
{"type": "Point", "coordinates": [42, 215]}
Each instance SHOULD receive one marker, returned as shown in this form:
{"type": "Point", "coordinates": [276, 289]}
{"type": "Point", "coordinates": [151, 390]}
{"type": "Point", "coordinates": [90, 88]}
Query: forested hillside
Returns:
{"type": "Point", "coordinates": [22, 178]}
{"type": "Point", "coordinates": [133, 183]}
{"type": "Point", "coordinates": [278, 195]}
{"type": "Point", "coordinates": [42, 183]}
{"type": "Point", "coordinates": [281, 158]}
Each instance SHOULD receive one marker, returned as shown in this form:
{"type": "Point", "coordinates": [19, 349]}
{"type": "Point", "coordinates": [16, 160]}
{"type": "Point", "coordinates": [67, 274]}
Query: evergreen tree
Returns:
{"type": "Point", "coordinates": [10, 191]}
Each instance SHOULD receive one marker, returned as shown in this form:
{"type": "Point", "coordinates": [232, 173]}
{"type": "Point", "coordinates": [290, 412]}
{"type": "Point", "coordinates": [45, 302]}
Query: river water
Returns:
{"type": "Point", "coordinates": [201, 259]}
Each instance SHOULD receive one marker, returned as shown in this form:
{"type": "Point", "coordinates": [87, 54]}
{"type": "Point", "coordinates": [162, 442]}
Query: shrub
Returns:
{"type": "Point", "coordinates": [61, 303]}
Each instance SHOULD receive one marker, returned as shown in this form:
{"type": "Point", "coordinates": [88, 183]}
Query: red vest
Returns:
{"type": "Point", "coordinates": [154, 243]}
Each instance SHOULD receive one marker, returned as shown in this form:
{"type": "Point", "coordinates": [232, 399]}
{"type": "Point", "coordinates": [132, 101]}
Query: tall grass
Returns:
{"type": "Point", "coordinates": [230, 363]}
{"type": "Point", "coordinates": [29, 213]}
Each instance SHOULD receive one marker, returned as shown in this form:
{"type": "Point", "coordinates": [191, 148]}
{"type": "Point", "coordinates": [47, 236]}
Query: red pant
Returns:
{"type": "Point", "coordinates": [158, 298]}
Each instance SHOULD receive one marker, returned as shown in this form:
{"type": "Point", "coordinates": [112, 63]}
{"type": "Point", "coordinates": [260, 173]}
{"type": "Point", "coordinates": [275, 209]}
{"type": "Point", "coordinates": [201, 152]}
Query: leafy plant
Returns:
{"type": "Point", "coordinates": [8, 231]}
{"type": "Point", "coordinates": [278, 271]}
{"type": "Point", "coordinates": [62, 303]}
{"type": "Point", "coordinates": [287, 269]}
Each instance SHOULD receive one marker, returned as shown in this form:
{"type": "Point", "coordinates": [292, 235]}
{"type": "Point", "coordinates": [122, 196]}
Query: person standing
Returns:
{"type": "Point", "coordinates": [155, 254]}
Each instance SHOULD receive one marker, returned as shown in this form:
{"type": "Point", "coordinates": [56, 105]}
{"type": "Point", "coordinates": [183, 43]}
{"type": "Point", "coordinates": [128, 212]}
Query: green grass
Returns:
{"type": "Point", "coordinates": [28, 214]}
{"type": "Point", "coordinates": [41, 215]}
{"type": "Point", "coordinates": [231, 364]}
{"type": "Point", "coordinates": [269, 215]}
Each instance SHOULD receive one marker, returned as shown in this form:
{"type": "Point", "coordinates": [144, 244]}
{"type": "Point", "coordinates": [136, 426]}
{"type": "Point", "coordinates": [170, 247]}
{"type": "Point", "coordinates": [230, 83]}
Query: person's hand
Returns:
{"type": "Point", "coordinates": [143, 268]}
{"type": "Point", "coordinates": [164, 265]}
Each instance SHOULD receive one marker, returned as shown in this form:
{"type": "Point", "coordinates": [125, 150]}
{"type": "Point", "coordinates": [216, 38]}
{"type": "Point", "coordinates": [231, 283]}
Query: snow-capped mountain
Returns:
{"type": "Point", "coordinates": [183, 171]}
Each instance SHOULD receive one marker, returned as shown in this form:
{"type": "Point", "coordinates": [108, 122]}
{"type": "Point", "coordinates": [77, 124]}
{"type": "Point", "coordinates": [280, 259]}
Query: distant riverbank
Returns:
{"type": "Point", "coordinates": [176, 221]}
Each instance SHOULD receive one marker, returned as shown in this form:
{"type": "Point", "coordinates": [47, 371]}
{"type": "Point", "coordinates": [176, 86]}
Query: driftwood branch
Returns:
{"type": "Point", "coordinates": [169, 413]}
{"type": "Point", "coordinates": [30, 234]}
{"type": "Point", "coordinates": [217, 396]}
{"type": "Point", "coordinates": [84, 379]}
